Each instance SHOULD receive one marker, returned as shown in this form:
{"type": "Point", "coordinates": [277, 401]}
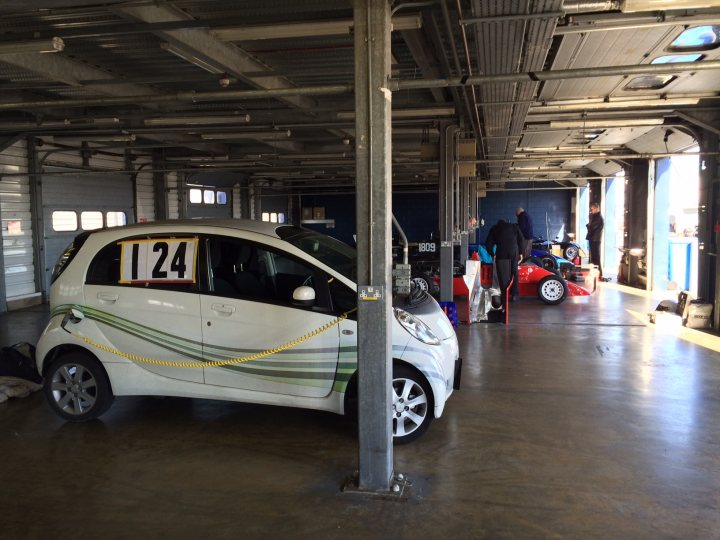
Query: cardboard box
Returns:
{"type": "Point", "coordinates": [307, 213]}
{"type": "Point", "coordinates": [318, 212]}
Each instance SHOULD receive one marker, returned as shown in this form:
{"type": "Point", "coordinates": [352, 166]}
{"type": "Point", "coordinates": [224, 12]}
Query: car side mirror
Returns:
{"type": "Point", "coordinates": [304, 296]}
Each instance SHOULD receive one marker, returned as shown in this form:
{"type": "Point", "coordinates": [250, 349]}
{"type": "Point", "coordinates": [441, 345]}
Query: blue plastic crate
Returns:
{"type": "Point", "coordinates": [450, 310]}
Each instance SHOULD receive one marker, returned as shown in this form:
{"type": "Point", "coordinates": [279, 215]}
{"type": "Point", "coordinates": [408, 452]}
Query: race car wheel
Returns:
{"type": "Point", "coordinates": [552, 290]}
{"type": "Point", "coordinates": [425, 283]}
{"type": "Point", "coordinates": [77, 387]}
{"type": "Point", "coordinates": [412, 406]}
{"type": "Point", "coordinates": [548, 263]}
{"type": "Point", "coordinates": [571, 252]}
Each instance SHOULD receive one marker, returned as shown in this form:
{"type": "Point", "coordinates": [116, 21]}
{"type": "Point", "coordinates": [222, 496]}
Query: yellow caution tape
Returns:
{"type": "Point", "coordinates": [216, 363]}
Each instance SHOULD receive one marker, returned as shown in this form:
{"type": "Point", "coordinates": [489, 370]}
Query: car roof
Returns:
{"type": "Point", "coordinates": [186, 225]}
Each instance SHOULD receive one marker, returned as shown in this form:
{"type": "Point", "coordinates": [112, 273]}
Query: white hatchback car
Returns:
{"type": "Point", "coordinates": [233, 310]}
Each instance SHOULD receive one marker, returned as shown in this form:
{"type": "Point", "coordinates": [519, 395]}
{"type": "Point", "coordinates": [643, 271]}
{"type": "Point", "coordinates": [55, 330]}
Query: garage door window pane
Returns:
{"type": "Point", "coordinates": [209, 196]}
{"type": "Point", "coordinates": [649, 82]}
{"type": "Point", "coordinates": [115, 219]}
{"type": "Point", "coordinates": [64, 221]}
{"type": "Point", "coordinates": [221, 197]}
{"type": "Point", "coordinates": [700, 38]}
{"type": "Point", "coordinates": [195, 196]}
{"type": "Point", "coordinates": [90, 221]}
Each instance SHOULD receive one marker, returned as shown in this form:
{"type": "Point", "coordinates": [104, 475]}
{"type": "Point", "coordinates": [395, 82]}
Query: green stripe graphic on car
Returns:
{"type": "Point", "coordinates": [308, 369]}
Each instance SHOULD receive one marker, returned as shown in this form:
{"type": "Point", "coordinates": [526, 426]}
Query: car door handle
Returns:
{"type": "Point", "coordinates": [108, 298]}
{"type": "Point", "coordinates": [223, 309]}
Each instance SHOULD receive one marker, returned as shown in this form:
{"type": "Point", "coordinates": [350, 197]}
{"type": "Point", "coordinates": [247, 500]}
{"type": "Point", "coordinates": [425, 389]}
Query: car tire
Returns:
{"type": "Point", "coordinates": [413, 407]}
{"type": "Point", "coordinates": [548, 263]}
{"type": "Point", "coordinates": [425, 282]}
{"type": "Point", "coordinates": [571, 252]}
{"type": "Point", "coordinates": [552, 290]}
{"type": "Point", "coordinates": [77, 387]}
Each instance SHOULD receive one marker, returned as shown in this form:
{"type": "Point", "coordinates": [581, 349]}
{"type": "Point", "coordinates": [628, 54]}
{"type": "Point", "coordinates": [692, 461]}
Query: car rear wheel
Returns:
{"type": "Point", "coordinates": [548, 263]}
{"type": "Point", "coordinates": [412, 406]}
{"type": "Point", "coordinates": [571, 252]}
{"type": "Point", "coordinates": [77, 387]}
{"type": "Point", "coordinates": [552, 290]}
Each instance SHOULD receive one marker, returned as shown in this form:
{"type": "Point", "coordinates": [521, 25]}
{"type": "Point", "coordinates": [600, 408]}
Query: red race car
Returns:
{"type": "Point", "coordinates": [534, 281]}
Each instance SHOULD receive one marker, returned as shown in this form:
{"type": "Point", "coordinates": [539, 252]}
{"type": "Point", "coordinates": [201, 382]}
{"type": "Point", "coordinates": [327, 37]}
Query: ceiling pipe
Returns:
{"type": "Point", "coordinates": [560, 74]}
{"type": "Point", "coordinates": [393, 85]}
{"type": "Point", "coordinates": [582, 6]}
{"type": "Point", "coordinates": [458, 69]}
{"type": "Point", "coordinates": [468, 63]}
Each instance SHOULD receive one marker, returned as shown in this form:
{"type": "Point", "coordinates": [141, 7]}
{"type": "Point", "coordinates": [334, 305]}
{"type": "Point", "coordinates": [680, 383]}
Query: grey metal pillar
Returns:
{"type": "Point", "coordinates": [473, 232]}
{"type": "Point", "coordinates": [447, 175]}
{"type": "Point", "coordinates": [37, 220]}
{"type": "Point", "coordinates": [708, 219]}
{"type": "Point", "coordinates": [160, 188]}
{"type": "Point", "coordinates": [464, 217]}
{"type": "Point", "coordinates": [374, 203]}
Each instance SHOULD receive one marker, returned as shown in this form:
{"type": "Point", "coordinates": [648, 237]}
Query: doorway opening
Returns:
{"type": "Point", "coordinates": [677, 190]}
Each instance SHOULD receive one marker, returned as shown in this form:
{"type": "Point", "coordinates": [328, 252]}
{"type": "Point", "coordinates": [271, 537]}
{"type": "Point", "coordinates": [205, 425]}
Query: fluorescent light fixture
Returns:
{"type": "Point", "coordinates": [51, 45]}
{"type": "Point", "coordinates": [608, 123]}
{"type": "Point", "coordinates": [407, 113]}
{"type": "Point", "coordinates": [633, 6]}
{"type": "Point", "coordinates": [194, 57]}
{"type": "Point", "coordinates": [260, 135]}
{"type": "Point", "coordinates": [305, 29]}
{"type": "Point", "coordinates": [615, 104]}
{"type": "Point", "coordinates": [197, 120]}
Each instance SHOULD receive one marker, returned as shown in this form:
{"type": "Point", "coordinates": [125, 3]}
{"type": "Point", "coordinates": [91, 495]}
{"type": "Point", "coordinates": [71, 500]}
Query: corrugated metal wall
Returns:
{"type": "Point", "coordinates": [17, 231]}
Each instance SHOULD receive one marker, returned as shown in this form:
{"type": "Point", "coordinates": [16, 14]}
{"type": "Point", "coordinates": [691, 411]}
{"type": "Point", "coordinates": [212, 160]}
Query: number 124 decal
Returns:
{"type": "Point", "coordinates": [159, 260]}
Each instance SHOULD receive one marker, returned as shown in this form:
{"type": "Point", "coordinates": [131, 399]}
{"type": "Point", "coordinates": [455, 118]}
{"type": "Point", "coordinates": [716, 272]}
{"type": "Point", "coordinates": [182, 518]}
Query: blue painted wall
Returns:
{"type": "Point", "coordinates": [417, 214]}
{"type": "Point", "coordinates": [556, 205]}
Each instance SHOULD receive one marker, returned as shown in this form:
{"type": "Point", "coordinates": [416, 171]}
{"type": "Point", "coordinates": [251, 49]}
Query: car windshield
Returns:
{"type": "Point", "coordinates": [334, 253]}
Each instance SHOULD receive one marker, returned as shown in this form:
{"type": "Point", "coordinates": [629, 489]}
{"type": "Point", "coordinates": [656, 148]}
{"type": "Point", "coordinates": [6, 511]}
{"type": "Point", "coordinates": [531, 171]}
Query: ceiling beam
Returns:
{"type": "Point", "coordinates": [201, 43]}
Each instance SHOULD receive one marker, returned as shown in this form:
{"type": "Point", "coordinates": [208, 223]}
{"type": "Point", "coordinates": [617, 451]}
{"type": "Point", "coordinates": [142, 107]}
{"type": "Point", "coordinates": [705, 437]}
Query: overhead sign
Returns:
{"type": "Point", "coordinates": [158, 260]}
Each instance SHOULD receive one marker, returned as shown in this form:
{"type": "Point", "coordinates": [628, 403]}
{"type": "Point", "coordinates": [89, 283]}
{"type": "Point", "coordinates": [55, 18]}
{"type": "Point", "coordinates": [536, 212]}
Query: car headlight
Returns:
{"type": "Point", "coordinates": [418, 329]}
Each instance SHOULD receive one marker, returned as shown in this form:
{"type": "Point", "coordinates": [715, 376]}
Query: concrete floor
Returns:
{"type": "Point", "coordinates": [575, 421]}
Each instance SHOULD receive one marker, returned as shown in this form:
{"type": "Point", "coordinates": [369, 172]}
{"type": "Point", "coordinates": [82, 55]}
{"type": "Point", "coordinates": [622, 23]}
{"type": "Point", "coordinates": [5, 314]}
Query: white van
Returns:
{"type": "Point", "coordinates": [233, 310]}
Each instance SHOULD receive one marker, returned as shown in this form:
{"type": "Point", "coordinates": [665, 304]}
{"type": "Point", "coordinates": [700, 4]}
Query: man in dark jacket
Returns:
{"type": "Point", "coordinates": [508, 242]}
{"type": "Point", "coordinates": [594, 235]}
{"type": "Point", "coordinates": [525, 224]}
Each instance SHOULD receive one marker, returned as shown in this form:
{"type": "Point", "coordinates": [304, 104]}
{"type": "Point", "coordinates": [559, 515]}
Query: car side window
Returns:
{"type": "Point", "coordinates": [106, 268]}
{"type": "Point", "coordinates": [243, 269]}
{"type": "Point", "coordinates": [344, 299]}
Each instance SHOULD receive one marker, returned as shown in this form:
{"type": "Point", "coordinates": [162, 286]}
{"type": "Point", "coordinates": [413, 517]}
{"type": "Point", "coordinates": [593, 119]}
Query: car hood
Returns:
{"type": "Point", "coordinates": [426, 308]}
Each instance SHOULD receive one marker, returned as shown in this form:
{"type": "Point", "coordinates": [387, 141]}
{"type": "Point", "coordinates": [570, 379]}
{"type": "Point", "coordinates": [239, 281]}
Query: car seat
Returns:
{"type": "Point", "coordinates": [220, 272]}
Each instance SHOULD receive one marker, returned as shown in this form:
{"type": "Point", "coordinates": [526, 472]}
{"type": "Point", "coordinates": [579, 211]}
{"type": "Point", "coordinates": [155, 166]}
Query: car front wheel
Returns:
{"type": "Point", "coordinates": [425, 283]}
{"type": "Point", "coordinates": [77, 387]}
{"type": "Point", "coordinates": [412, 406]}
{"type": "Point", "coordinates": [552, 290]}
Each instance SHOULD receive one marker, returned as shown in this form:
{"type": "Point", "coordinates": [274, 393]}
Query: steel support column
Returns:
{"type": "Point", "coordinates": [160, 187]}
{"type": "Point", "coordinates": [447, 175]}
{"type": "Point", "coordinates": [374, 204]}
{"type": "Point", "coordinates": [464, 217]}
{"type": "Point", "coordinates": [708, 220]}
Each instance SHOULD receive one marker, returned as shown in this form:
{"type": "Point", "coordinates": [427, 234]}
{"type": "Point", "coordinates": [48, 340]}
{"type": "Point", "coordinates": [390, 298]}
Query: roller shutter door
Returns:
{"type": "Point", "coordinates": [17, 231]}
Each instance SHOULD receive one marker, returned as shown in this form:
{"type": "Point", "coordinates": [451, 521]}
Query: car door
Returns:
{"type": "Point", "coordinates": [155, 318]}
{"type": "Point", "coordinates": [248, 310]}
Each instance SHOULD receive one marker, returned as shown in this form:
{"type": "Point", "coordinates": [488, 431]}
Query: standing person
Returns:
{"type": "Point", "coordinates": [594, 235]}
{"type": "Point", "coordinates": [525, 224]}
{"type": "Point", "coordinates": [508, 242]}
